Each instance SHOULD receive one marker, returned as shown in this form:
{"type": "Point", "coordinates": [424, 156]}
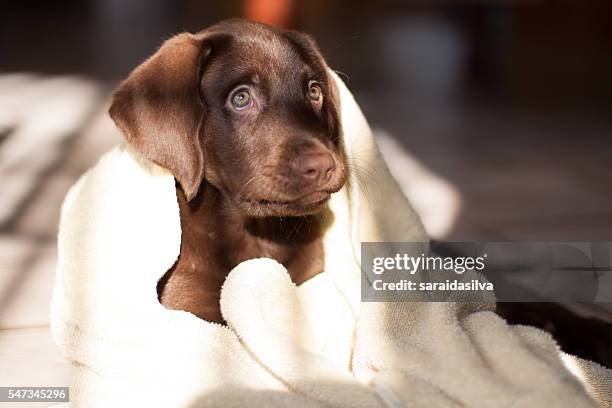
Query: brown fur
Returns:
{"type": "Point", "coordinates": [252, 182]}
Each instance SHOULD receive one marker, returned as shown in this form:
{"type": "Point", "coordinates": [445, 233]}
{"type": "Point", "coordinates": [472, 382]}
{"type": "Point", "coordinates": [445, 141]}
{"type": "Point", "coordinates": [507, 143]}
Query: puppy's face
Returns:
{"type": "Point", "coordinates": [249, 108]}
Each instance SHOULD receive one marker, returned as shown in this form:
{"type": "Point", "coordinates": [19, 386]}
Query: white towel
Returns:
{"type": "Point", "coordinates": [307, 346]}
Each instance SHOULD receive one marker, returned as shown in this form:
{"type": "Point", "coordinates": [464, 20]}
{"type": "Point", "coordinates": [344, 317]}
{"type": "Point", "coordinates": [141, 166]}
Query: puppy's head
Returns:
{"type": "Point", "coordinates": [249, 108]}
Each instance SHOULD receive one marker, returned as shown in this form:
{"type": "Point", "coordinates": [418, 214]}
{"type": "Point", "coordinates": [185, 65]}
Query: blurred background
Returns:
{"type": "Point", "coordinates": [495, 116]}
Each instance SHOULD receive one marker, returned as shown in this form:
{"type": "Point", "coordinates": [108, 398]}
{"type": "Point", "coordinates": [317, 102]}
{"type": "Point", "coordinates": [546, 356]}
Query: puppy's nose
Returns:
{"type": "Point", "coordinates": [315, 167]}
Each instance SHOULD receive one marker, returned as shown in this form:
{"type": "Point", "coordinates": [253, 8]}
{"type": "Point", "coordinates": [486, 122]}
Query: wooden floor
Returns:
{"type": "Point", "coordinates": [51, 130]}
{"type": "Point", "coordinates": [473, 174]}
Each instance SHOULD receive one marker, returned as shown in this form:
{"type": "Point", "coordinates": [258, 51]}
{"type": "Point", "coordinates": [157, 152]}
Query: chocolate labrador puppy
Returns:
{"type": "Point", "coordinates": [245, 116]}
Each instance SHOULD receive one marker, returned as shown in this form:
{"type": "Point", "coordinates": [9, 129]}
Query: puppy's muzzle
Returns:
{"type": "Point", "coordinates": [314, 168]}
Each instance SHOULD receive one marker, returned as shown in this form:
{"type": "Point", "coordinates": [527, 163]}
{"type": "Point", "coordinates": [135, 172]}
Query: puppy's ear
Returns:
{"type": "Point", "coordinates": [159, 110]}
{"type": "Point", "coordinates": [333, 107]}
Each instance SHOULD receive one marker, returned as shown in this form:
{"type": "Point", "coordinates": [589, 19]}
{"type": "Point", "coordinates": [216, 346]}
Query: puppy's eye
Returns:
{"type": "Point", "coordinates": [241, 99]}
{"type": "Point", "coordinates": [314, 91]}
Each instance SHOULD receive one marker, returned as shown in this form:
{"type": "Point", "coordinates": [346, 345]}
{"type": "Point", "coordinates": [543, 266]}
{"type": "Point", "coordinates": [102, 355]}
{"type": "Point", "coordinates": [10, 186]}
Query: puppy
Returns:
{"type": "Point", "coordinates": [245, 116]}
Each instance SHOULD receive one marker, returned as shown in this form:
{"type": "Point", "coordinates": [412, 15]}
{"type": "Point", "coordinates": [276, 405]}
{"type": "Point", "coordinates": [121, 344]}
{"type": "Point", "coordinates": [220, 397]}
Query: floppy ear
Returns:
{"type": "Point", "coordinates": [159, 110]}
{"type": "Point", "coordinates": [333, 108]}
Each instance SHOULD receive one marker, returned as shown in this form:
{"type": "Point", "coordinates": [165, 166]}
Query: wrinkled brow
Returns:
{"type": "Point", "coordinates": [246, 75]}
{"type": "Point", "coordinates": [228, 76]}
